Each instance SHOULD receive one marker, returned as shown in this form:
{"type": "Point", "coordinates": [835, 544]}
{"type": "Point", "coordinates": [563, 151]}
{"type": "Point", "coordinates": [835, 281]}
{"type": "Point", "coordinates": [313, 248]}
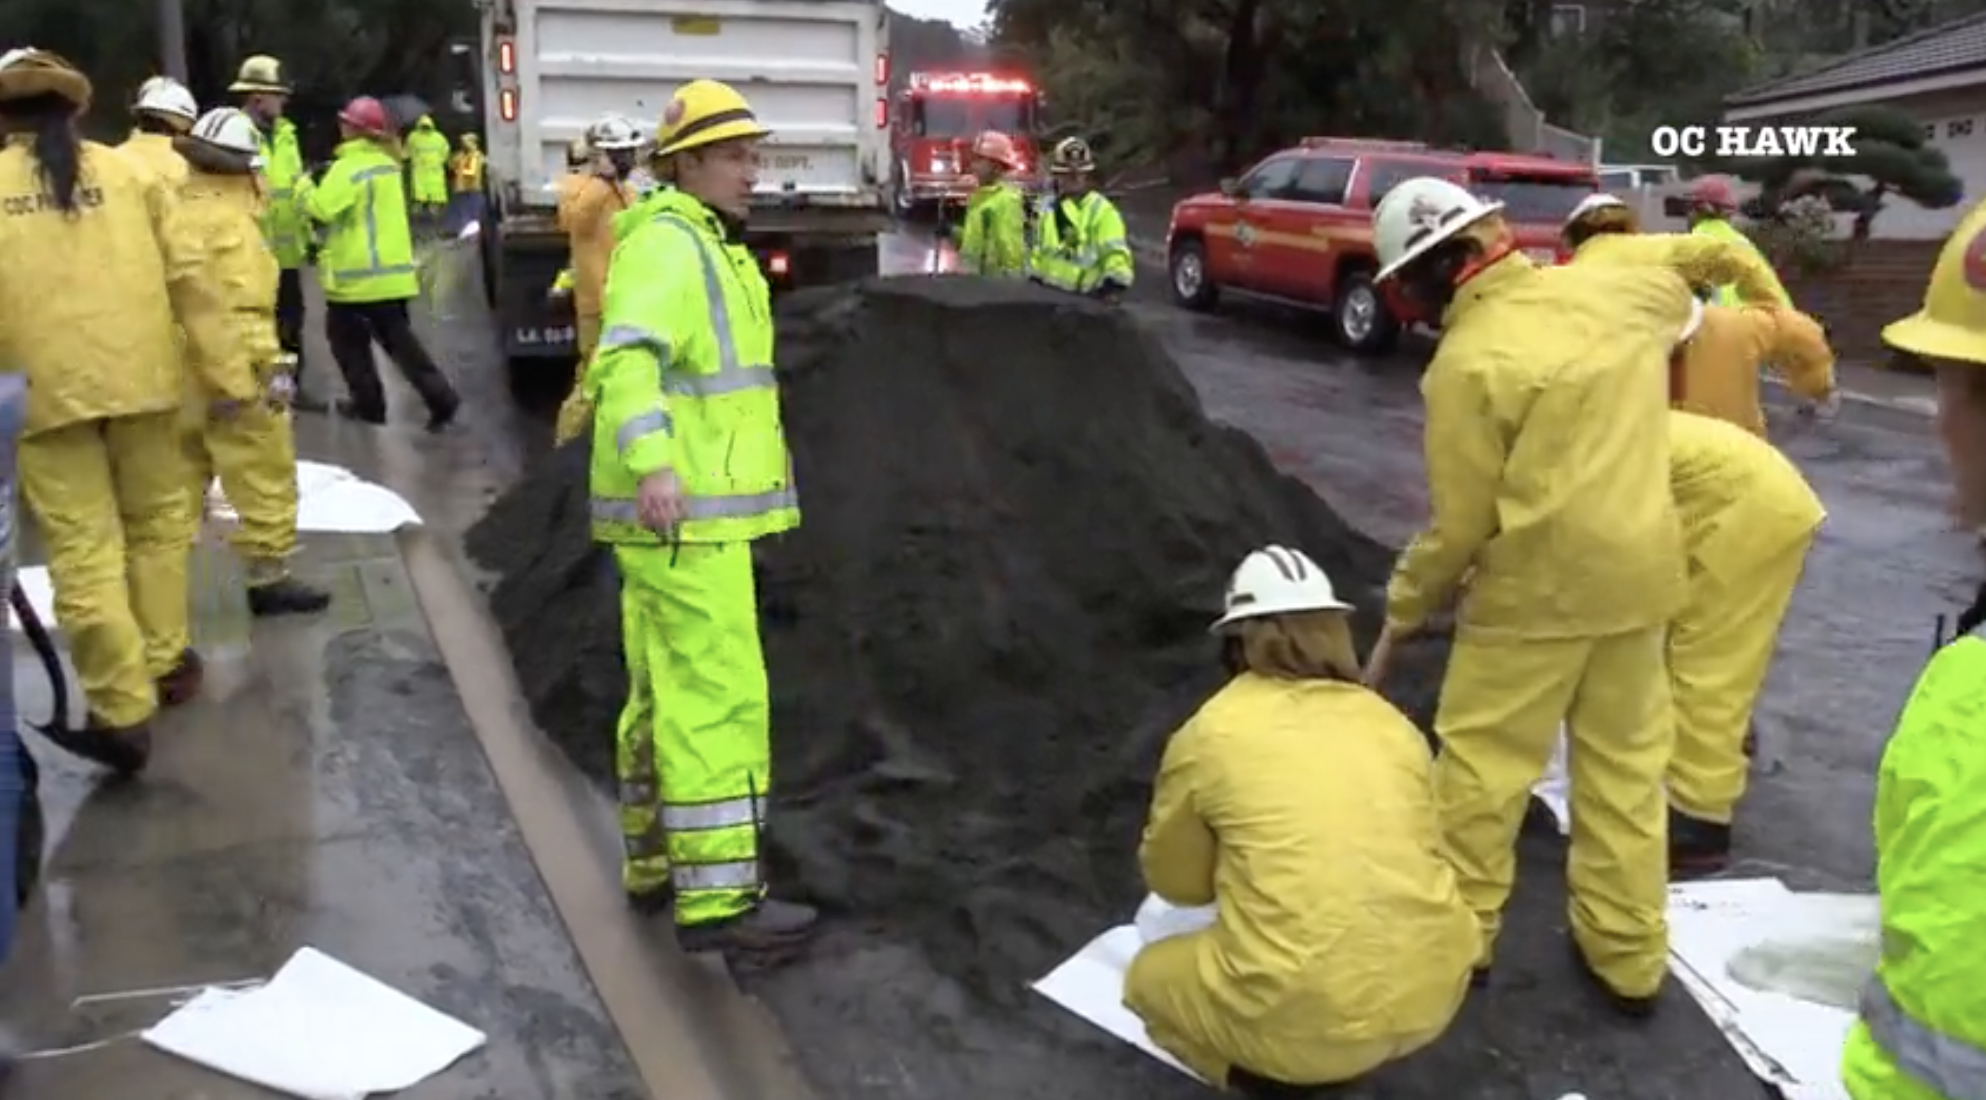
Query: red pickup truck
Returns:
{"type": "Point", "coordinates": [1297, 227]}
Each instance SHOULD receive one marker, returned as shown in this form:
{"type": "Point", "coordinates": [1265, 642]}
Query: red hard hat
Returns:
{"type": "Point", "coordinates": [996, 147]}
{"type": "Point", "coordinates": [1714, 192]}
{"type": "Point", "coordinates": [367, 114]}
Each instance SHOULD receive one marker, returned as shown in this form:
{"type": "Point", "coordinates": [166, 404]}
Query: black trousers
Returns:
{"type": "Point", "coordinates": [353, 327]}
{"type": "Point", "coordinates": [289, 314]}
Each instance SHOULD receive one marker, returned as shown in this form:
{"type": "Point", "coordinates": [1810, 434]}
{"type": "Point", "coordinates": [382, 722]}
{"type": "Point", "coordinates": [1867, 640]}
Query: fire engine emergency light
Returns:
{"type": "Point", "coordinates": [969, 83]}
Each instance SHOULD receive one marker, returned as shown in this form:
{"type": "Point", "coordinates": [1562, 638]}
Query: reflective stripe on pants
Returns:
{"type": "Point", "coordinates": [1952, 1067]}
{"type": "Point", "coordinates": [695, 735]}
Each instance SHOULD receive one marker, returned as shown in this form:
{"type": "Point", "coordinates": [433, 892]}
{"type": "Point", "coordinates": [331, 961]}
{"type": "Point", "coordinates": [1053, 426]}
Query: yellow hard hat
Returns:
{"type": "Point", "coordinates": [260, 73]}
{"type": "Point", "coordinates": [704, 112]}
{"type": "Point", "coordinates": [470, 141]}
{"type": "Point", "coordinates": [1952, 324]}
{"type": "Point", "coordinates": [28, 72]}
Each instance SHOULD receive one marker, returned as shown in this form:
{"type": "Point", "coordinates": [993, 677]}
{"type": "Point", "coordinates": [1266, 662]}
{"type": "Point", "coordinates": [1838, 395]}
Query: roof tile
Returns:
{"type": "Point", "coordinates": [1947, 48]}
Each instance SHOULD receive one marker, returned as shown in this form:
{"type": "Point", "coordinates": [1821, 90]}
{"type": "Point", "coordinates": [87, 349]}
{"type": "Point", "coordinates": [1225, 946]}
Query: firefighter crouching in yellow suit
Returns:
{"type": "Point", "coordinates": [252, 448]}
{"type": "Point", "coordinates": [1548, 474]}
{"type": "Point", "coordinates": [589, 222]}
{"type": "Point", "coordinates": [1277, 803]}
{"type": "Point", "coordinates": [1949, 334]}
{"type": "Point", "coordinates": [1749, 519]}
{"type": "Point", "coordinates": [689, 467]}
{"type": "Point", "coordinates": [1920, 1028]}
{"type": "Point", "coordinates": [96, 264]}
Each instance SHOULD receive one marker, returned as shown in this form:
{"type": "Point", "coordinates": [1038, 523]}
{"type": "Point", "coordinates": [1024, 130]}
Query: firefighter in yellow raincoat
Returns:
{"type": "Point", "coordinates": [1749, 519]}
{"type": "Point", "coordinates": [589, 222]}
{"type": "Point", "coordinates": [1720, 365]}
{"type": "Point", "coordinates": [252, 449]}
{"type": "Point", "coordinates": [163, 110]}
{"type": "Point", "coordinates": [1548, 479]}
{"type": "Point", "coordinates": [1713, 200]}
{"type": "Point", "coordinates": [96, 265]}
{"type": "Point", "coordinates": [1603, 229]}
{"type": "Point", "coordinates": [1949, 333]}
{"type": "Point", "coordinates": [1276, 803]}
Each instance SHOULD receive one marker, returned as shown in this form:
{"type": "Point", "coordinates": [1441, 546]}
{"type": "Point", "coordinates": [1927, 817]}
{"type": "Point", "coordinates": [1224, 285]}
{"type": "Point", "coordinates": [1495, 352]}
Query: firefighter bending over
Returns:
{"type": "Point", "coordinates": [689, 468]}
{"type": "Point", "coordinates": [1080, 243]}
{"type": "Point", "coordinates": [1274, 804]}
{"type": "Point", "coordinates": [1547, 441]}
{"type": "Point", "coordinates": [589, 223]}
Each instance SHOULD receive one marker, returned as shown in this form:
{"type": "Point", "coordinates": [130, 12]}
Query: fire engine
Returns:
{"type": "Point", "coordinates": [936, 118]}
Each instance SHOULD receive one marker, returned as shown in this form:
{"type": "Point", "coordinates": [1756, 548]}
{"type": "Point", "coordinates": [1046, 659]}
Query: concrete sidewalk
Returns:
{"type": "Point", "coordinates": [326, 790]}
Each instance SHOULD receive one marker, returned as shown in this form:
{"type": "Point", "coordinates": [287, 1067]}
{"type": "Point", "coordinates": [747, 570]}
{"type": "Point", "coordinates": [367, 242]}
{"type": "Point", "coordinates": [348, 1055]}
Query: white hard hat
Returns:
{"type": "Point", "coordinates": [1417, 215]}
{"type": "Point", "coordinates": [614, 132]}
{"type": "Point", "coordinates": [1695, 321]}
{"type": "Point", "coordinates": [231, 130]}
{"type": "Point", "coordinates": [162, 95]}
{"type": "Point", "coordinates": [1591, 203]}
{"type": "Point", "coordinates": [1277, 580]}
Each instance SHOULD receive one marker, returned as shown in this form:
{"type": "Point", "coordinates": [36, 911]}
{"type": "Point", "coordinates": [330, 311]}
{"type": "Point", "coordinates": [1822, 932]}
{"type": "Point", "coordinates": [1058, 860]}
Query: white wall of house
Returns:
{"type": "Point", "coordinates": [1954, 120]}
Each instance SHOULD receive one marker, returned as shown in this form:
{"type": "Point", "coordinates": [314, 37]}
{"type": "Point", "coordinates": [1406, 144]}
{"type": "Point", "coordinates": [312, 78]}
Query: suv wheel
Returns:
{"type": "Point", "coordinates": [1359, 315]}
{"type": "Point", "coordinates": [1191, 287]}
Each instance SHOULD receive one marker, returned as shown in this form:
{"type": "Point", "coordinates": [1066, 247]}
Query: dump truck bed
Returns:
{"type": "Point", "coordinates": [814, 70]}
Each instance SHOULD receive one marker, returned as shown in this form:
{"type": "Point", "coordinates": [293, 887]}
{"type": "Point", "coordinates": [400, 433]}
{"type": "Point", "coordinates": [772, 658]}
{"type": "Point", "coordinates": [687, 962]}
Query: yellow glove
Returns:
{"type": "Point", "coordinates": [575, 416]}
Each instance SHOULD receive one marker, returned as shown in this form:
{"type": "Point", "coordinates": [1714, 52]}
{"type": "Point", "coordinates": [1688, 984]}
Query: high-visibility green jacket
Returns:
{"type": "Point", "coordinates": [683, 380]}
{"type": "Point", "coordinates": [1921, 1031]}
{"type": "Point", "coordinates": [1080, 244]}
{"type": "Point", "coordinates": [368, 253]}
{"type": "Point", "coordinates": [284, 225]}
{"type": "Point", "coordinates": [1727, 295]}
{"type": "Point", "coordinates": [427, 161]}
{"type": "Point", "coordinates": [994, 238]}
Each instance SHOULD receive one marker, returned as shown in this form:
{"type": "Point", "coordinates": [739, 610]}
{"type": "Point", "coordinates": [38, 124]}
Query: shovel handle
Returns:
{"type": "Point", "coordinates": [1377, 665]}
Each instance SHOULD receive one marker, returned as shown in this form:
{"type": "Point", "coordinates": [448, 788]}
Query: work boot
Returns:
{"type": "Point", "coordinates": [349, 410]}
{"type": "Point", "coordinates": [1479, 977]}
{"type": "Point", "coordinates": [768, 928]}
{"type": "Point", "coordinates": [183, 682]}
{"type": "Point", "coordinates": [1751, 741]}
{"type": "Point", "coordinates": [1633, 1008]}
{"type": "Point", "coordinates": [286, 595]}
{"type": "Point", "coordinates": [444, 416]}
{"type": "Point", "coordinates": [1697, 847]}
{"type": "Point", "coordinates": [125, 751]}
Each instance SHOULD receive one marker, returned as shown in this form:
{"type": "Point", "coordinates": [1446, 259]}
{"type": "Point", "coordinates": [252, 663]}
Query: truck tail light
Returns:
{"type": "Point", "coordinates": [507, 104]}
{"type": "Point", "coordinates": [506, 57]}
{"type": "Point", "coordinates": [882, 112]}
{"type": "Point", "coordinates": [778, 264]}
{"type": "Point", "coordinates": [882, 66]}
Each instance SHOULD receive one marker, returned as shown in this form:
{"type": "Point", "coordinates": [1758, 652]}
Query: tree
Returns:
{"type": "Point", "coordinates": [1890, 153]}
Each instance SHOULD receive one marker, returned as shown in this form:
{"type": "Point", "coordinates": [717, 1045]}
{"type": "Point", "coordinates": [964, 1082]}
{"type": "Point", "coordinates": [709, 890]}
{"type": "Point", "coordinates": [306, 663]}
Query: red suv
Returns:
{"type": "Point", "coordinates": [1297, 227]}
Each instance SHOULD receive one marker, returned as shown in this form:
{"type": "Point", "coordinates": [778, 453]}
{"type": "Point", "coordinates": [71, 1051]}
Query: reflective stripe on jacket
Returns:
{"type": "Point", "coordinates": [682, 379]}
{"type": "Point", "coordinates": [1921, 1030]}
{"type": "Point", "coordinates": [1727, 295]}
{"type": "Point", "coordinates": [1080, 244]}
{"type": "Point", "coordinates": [283, 223]}
{"type": "Point", "coordinates": [368, 253]}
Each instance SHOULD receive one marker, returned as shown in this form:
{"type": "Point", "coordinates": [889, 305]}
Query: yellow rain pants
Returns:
{"type": "Point", "coordinates": [1499, 716]}
{"type": "Point", "coordinates": [256, 457]}
{"type": "Point", "coordinates": [1748, 521]}
{"type": "Point", "coordinates": [109, 498]}
{"type": "Point", "coordinates": [694, 745]}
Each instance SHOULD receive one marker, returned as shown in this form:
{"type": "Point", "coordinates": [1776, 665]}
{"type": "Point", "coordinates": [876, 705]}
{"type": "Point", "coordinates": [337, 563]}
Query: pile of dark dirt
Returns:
{"type": "Point", "coordinates": [1018, 524]}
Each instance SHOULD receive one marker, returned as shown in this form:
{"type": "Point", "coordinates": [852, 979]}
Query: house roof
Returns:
{"type": "Point", "coordinates": [1936, 51]}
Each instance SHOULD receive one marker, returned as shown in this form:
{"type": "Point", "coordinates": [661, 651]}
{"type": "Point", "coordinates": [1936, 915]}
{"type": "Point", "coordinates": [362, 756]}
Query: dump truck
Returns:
{"type": "Point", "coordinates": [816, 71]}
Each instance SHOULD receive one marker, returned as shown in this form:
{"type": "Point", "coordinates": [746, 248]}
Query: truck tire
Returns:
{"type": "Point", "coordinates": [1187, 273]}
{"type": "Point", "coordinates": [1359, 317]}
